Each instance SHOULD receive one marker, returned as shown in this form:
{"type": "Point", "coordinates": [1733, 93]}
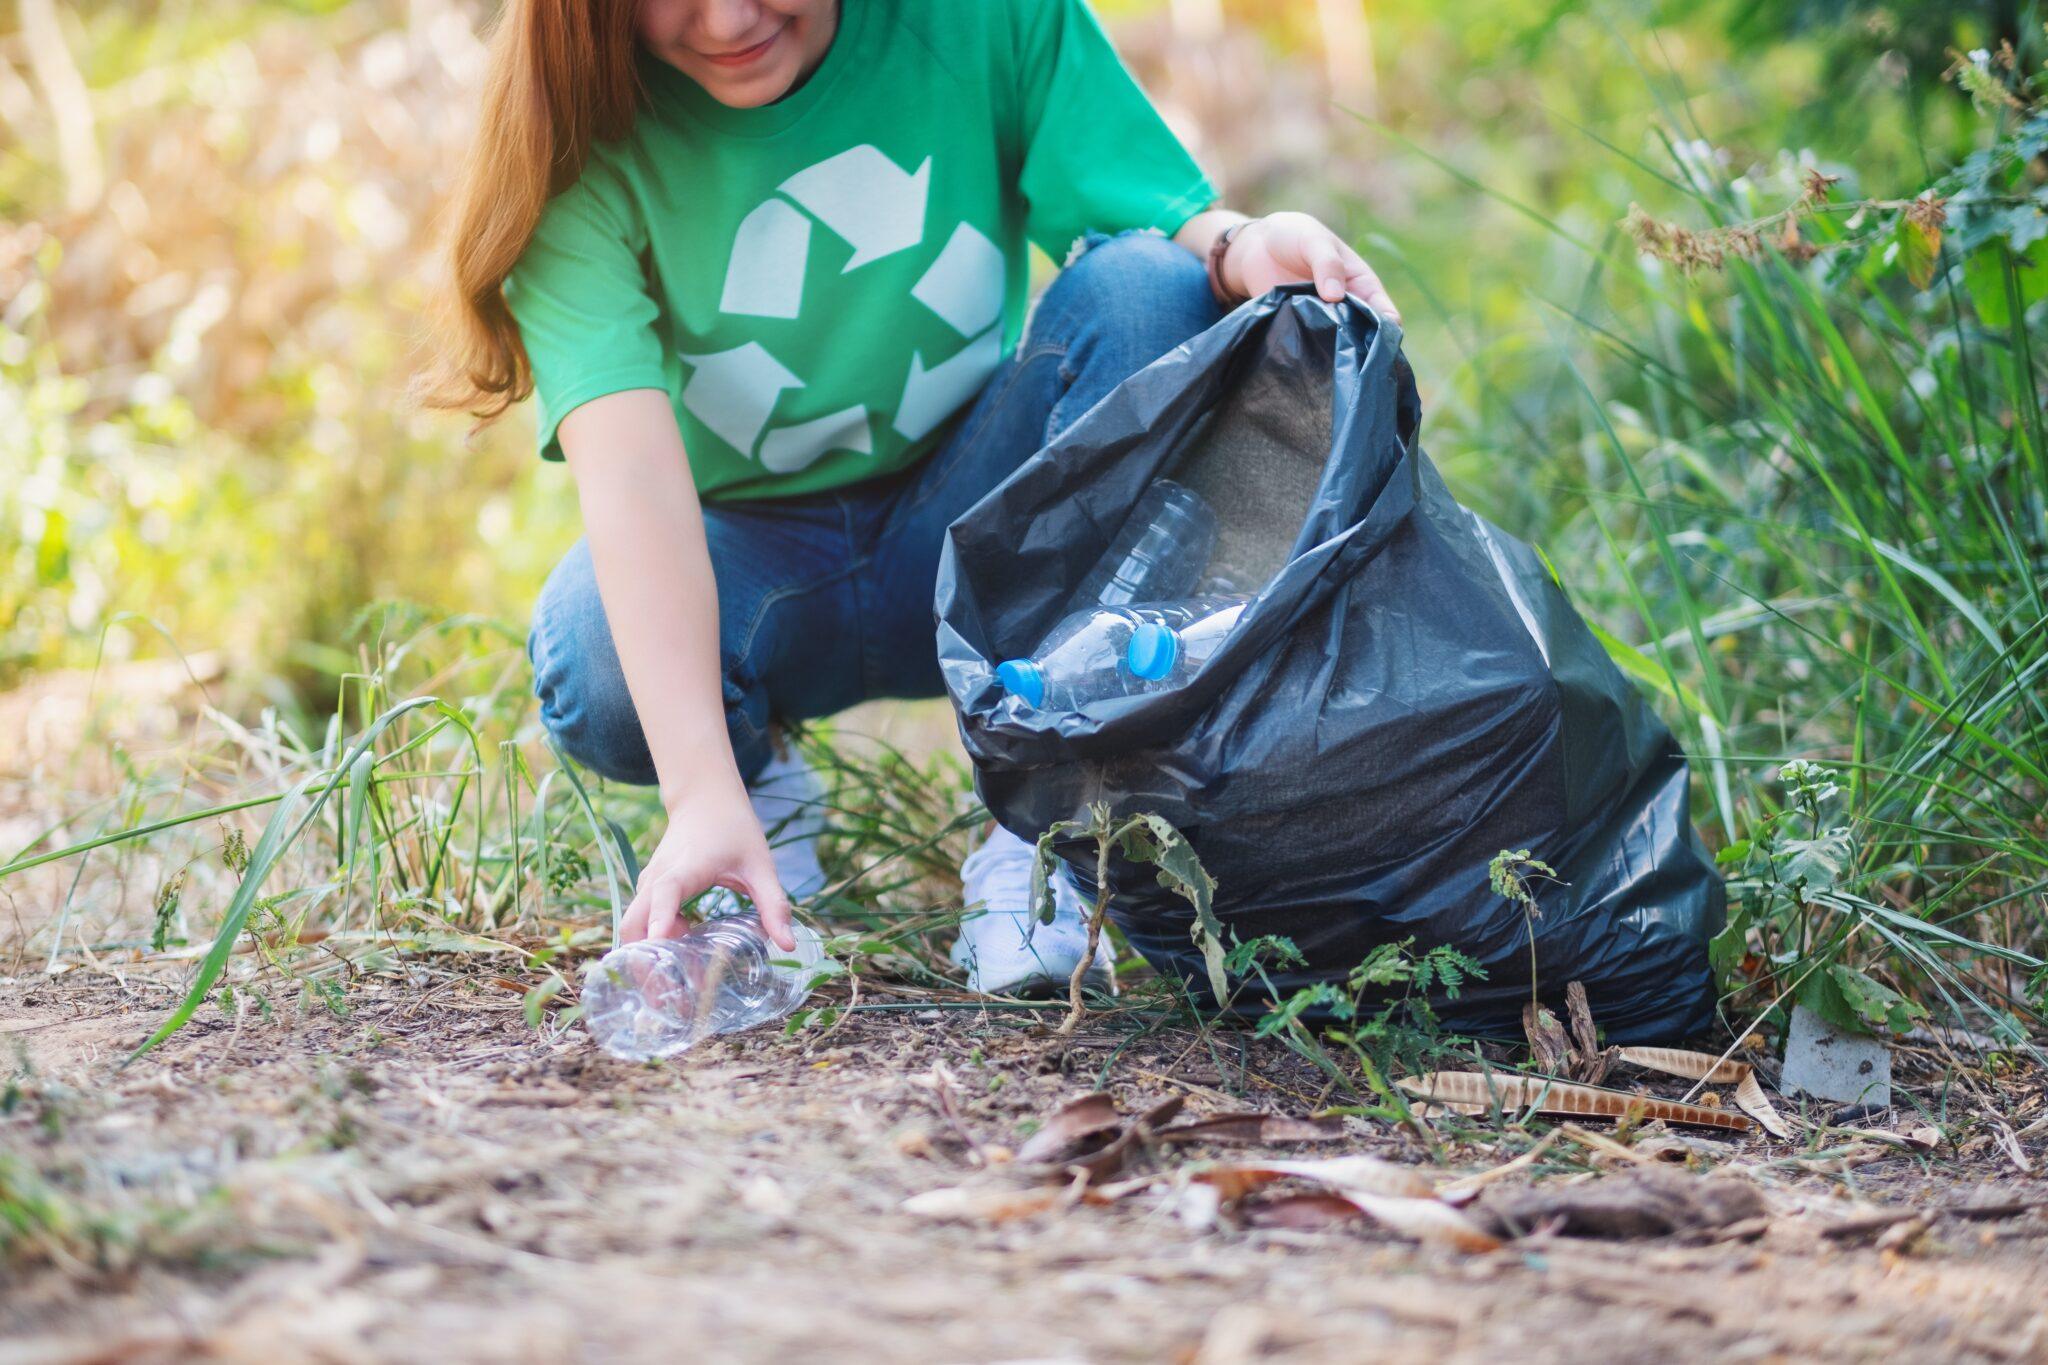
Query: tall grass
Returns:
{"type": "Point", "coordinates": [1808, 491]}
{"type": "Point", "coordinates": [427, 819]}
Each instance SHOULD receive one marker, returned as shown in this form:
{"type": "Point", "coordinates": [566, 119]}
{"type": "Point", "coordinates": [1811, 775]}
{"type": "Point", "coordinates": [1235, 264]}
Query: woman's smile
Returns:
{"type": "Point", "coordinates": [744, 53]}
{"type": "Point", "coordinates": [746, 56]}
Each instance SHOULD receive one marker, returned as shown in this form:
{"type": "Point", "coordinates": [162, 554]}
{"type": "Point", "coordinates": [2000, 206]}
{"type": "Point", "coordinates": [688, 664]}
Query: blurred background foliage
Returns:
{"type": "Point", "coordinates": [212, 233]}
{"type": "Point", "coordinates": [1728, 305]}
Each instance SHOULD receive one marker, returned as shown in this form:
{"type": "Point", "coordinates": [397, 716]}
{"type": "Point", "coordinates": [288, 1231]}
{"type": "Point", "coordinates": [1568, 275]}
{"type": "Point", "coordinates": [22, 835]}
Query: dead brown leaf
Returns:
{"type": "Point", "coordinates": [973, 1204]}
{"type": "Point", "coordinates": [1589, 1063]}
{"type": "Point", "coordinates": [1349, 1174]}
{"type": "Point", "coordinates": [1400, 1197]}
{"type": "Point", "coordinates": [1303, 1212]}
{"type": "Point", "coordinates": [1094, 1159]}
{"type": "Point", "coordinates": [1549, 1049]}
{"type": "Point", "coordinates": [1069, 1126]}
{"type": "Point", "coordinates": [1562, 1097]}
{"type": "Point", "coordinates": [1700, 1066]}
{"type": "Point", "coordinates": [1253, 1127]}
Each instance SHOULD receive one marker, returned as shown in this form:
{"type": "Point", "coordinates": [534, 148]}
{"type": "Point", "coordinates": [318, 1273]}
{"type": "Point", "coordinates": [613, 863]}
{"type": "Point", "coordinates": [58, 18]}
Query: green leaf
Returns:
{"type": "Point", "coordinates": [1984, 276]}
{"type": "Point", "coordinates": [1182, 871]}
{"type": "Point", "coordinates": [1815, 865]}
{"type": "Point", "coordinates": [1822, 994]}
{"type": "Point", "coordinates": [1855, 1002]}
{"type": "Point", "coordinates": [1041, 870]}
{"type": "Point", "coordinates": [537, 999]}
{"type": "Point", "coordinates": [1648, 672]}
{"type": "Point", "coordinates": [1877, 1007]}
{"type": "Point", "coordinates": [1726, 949]}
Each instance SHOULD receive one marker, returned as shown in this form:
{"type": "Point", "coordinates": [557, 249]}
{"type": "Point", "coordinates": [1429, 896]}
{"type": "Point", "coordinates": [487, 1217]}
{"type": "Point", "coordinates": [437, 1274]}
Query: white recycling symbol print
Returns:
{"type": "Point", "coordinates": [878, 209]}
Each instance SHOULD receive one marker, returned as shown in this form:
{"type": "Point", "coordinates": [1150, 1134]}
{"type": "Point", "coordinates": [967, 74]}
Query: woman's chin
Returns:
{"type": "Point", "coordinates": [764, 83]}
{"type": "Point", "coordinates": [752, 98]}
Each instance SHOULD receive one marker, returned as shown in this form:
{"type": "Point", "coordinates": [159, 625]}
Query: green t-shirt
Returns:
{"type": "Point", "coordinates": [820, 283]}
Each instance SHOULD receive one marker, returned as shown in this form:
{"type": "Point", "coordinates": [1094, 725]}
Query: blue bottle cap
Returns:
{"type": "Point", "coordinates": [1024, 679]}
{"type": "Point", "coordinates": [1152, 651]}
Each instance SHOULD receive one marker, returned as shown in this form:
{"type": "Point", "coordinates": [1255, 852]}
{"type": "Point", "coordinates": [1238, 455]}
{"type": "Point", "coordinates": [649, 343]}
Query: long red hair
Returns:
{"type": "Point", "coordinates": [560, 75]}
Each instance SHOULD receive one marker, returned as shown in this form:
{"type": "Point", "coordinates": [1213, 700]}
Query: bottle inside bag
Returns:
{"type": "Point", "coordinates": [657, 997]}
{"type": "Point", "coordinates": [1167, 652]}
{"type": "Point", "coordinates": [1091, 655]}
{"type": "Point", "coordinates": [1140, 588]}
{"type": "Point", "coordinates": [1159, 555]}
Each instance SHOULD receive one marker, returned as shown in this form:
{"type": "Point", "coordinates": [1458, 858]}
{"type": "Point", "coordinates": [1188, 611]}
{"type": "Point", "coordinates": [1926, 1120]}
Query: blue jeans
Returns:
{"type": "Point", "coordinates": [825, 600]}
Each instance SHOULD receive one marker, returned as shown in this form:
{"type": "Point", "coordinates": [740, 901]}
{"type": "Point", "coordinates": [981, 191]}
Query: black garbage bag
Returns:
{"type": "Point", "coordinates": [1409, 694]}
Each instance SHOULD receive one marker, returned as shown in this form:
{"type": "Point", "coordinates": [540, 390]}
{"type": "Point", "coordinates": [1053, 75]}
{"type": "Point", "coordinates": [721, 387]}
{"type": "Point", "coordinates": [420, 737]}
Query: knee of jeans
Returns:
{"type": "Point", "coordinates": [578, 681]}
{"type": "Point", "coordinates": [1137, 288]}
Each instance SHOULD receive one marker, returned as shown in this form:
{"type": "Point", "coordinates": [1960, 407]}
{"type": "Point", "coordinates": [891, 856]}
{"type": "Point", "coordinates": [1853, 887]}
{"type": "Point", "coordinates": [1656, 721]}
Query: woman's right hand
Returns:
{"type": "Point", "coordinates": [713, 839]}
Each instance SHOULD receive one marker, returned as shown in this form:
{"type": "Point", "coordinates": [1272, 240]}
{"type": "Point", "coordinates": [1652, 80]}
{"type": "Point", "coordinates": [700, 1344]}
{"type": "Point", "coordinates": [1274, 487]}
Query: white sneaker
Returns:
{"type": "Point", "coordinates": [1004, 948]}
{"type": "Point", "coordinates": [789, 800]}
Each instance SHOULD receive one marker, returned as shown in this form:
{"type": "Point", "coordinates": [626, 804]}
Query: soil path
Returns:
{"type": "Point", "coordinates": [430, 1178]}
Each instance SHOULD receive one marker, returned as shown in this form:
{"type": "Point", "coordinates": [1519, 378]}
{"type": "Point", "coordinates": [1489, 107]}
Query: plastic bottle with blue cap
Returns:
{"type": "Point", "coordinates": [1165, 652]}
{"type": "Point", "coordinates": [1159, 554]}
{"type": "Point", "coordinates": [1140, 585]}
{"type": "Point", "coordinates": [1108, 652]}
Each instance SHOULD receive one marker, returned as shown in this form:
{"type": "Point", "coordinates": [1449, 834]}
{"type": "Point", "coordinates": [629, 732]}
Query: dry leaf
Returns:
{"type": "Point", "coordinates": [970, 1204]}
{"type": "Point", "coordinates": [1900, 1236]}
{"type": "Point", "coordinates": [1303, 1212]}
{"type": "Point", "coordinates": [1270, 1129]}
{"type": "Point", "coordinates": [1751, 1100]}
{"type": "Point", "coordinates": [1589, 1064]}
{"type": "Point", "coordinates": [1686, 1064]}
{"type": "Point", "coordinates": [1699, 1066]}
{"type": "Point", "coordinates": [1401, 1197]}
{"type": "Point", "coordinates": [1351, 1174]}
{"type": "Point", "coordinates": [1110, 1158]}
{"type": "Point", "coordinates": [1923, 1139]}
{"type": "Point", "coordinates": [1671, 1149]}
{"type": "Point", "coordinates": [1426, 1220]}
{"type": "Point", "coordinates": [1549, 1049]}
{"type": "Point", "coordinates": [1562, 1097]}
{"type": "Point", "coordinates": [1069, 1125]}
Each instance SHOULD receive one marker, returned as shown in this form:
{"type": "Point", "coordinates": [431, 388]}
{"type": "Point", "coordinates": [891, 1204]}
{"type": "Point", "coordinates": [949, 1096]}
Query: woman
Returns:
{"type": "Point", "coordinates": [763, 262]}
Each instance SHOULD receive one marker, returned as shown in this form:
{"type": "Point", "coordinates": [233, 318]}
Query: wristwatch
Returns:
{"type": "Point", "coordinates": [1225, 296]}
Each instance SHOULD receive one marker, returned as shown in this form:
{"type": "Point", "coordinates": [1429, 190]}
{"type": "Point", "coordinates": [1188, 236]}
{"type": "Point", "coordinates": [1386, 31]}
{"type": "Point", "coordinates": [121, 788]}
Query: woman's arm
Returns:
{"type": "Point", "coordinates": [646, 532]}
{"type": "Point", "coordinates": [1282, 248]}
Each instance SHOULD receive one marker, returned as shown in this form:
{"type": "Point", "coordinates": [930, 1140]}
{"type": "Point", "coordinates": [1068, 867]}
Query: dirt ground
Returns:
{"type": "Point", "coordinates": [431, 1178]}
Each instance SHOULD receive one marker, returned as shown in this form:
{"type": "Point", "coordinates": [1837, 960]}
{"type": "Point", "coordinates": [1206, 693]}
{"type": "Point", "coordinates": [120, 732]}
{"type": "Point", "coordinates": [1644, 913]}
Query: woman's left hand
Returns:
{"type": "Point", "coordinates": [1286, 248]}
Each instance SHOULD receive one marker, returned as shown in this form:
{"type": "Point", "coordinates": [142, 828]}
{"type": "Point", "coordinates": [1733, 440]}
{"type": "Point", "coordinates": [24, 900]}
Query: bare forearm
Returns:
{"type": "Point", "coordinates": [646, 532]}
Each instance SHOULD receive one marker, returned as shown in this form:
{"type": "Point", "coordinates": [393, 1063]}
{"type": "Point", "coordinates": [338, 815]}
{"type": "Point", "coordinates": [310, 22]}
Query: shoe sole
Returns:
{"type": "Point", "coordinates": [1041, 986]}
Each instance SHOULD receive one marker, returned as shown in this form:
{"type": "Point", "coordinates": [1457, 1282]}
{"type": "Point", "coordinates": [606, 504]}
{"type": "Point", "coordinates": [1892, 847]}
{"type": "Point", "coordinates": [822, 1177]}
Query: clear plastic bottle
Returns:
{"type": "Point", "coordinates": [658, 996]}
{"type": "Point", "coordinates": [1160, 553]}
{"type": "Point", "coordinates": [1166, 651]}
{"type": "Point", "coordinates": [1087, 656]}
